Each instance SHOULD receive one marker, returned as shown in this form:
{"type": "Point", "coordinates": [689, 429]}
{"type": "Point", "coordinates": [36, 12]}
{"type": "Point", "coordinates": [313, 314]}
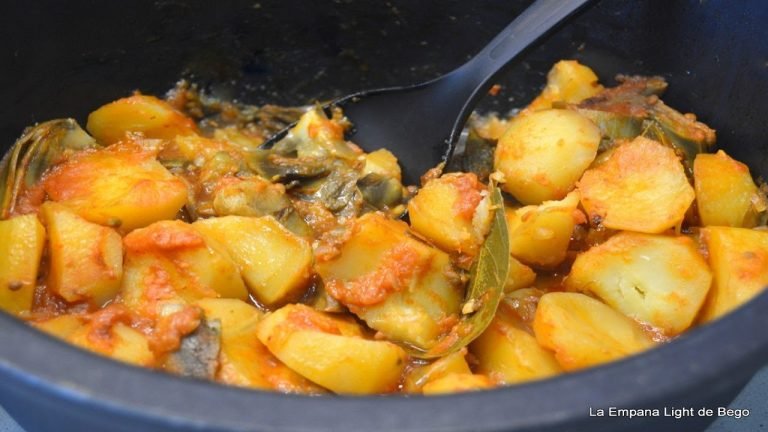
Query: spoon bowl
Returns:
{"type": "Point", "coordinates": [431, 115]}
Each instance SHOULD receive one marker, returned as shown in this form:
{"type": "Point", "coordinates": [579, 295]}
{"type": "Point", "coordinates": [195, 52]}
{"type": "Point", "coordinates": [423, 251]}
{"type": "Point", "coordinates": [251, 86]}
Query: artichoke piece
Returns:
{"type": "Point", "coordinates": [198, 355]}
{"type": "Point", "coordinates": [276, 167]}
{"type": "Point", "coordinates": [381, 192]}
{"type": "Point", "coordinates": [474, 155]}
{"type": "Point", "coordinates": [338, 191]}
{"type": "Point", "coordinates": [258, 197]}
{"type": "Point", "coordinates": [633, 108]}
{"type": "Point", "coordinates": [39, 147]}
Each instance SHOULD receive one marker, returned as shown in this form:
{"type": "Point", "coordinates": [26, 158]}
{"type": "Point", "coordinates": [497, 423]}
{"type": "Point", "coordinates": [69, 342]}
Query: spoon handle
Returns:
{"type": "Point", "coordinates": [473, 79]}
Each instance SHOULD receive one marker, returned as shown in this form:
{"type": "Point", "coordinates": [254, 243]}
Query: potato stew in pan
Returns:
{"type": "Point", "coordinates": [593, 224]}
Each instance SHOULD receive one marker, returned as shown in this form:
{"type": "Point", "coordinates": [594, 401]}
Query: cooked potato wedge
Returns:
{"type": "Point", "coordinates": [243, 360]}
{"type": "Point", "coordinates": [118, 341]}
{"type": "Point", "coordinates": [62, 326]}
{"type": "Point", "coordinates": [568, 81]}
{"type": "Point", "coordinates": [457, 382]}
{"type": "Point", "coordinates": [739, 260]}
{"type": "Point", "coordinates": [444, 211]}
{"type": "Point", "coordinates": [726, 195]}
{"type": "Point", "coordinates": [22, 239]}
{"type": "Point", "coordinates": [519, 276]}
{"type": "Point", "coordinates": [417, 377]}
{"type": "Point", "coordinates": [275, 263]}
{"type": "Point", "coordinates": [540, 235]}
{"type": "Point", "coordinates": [170, 262]}
{"type": "Point", "coordinates": [584, 332]}
{"type": "Point", "coordinates": [148, 115]}
{"type": "Point", "coordinates": [509, 354]}
{"type": "Point", "coordinates": [234, 315]}
{"type": "Point", "coordinates": [656, 279]}
{"type": "Point", "coordinates": [121, 186]}
{"type": "Point", "coordinates": [325, 350]}
{"type": "Point", "coordinates": [641, 187]}
{"type": "Point", "coordinates": [86, 259]}
{"type": "Point", "coordinates": [122, 343]}
{"type": "Point", "coordinates": [543, 154]}
{"type": "Point", "coordinates": [383, 162]}
{"type": "Point", "coordinates": [398, 285]}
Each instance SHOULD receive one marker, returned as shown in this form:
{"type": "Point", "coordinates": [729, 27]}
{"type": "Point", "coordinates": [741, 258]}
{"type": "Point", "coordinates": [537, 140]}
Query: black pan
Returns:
{"type": "Point", "coordinates": [63, 59]}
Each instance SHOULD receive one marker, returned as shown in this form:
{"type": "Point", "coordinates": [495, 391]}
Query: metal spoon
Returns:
{"type": "Point", "coordinates": [424, 121]}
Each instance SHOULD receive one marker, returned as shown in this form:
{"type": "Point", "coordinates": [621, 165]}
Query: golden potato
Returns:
{"type": "Point", "coordinates": [445, 212]}
{"type": "Point", "coordinates": [86, 259]}
{"type": "Point", "coordinates": [325, 350]}
{"type": "Point", "coordinates": [152, 117]}
{"type": "Point", "coordinates": [450, 364]}
{"type": "Point", "coordinates": [543, 154]}
{"type": "Point", "coordinates": [275, 263]}
{"type": "Point", "coordinates": [641, 187]}
{"type": "Point", "coordinates": [457, 382]}
{"type": "Point", "coordinates": [509, 354]}
{"type": "Point", "coordinates": [540, 235]}
{"type": "Point", "coordinates": [568, 81]}
{"type": "Point", "coordinates": [234, 315]}
{"type": "Point", "coordinates": [519, 276]}
{"type": "Point", "coordinates": [62, 326]}
{"type": "Point", "coordinates": [726, 195]}
{"type": "Point", "coordinates": [119, 186]}
{"type": "Point", "coordinates": [584, 332]}
{"type": "Point", "coordinates": [739, 260]}
{"type": "Point", "coordinates": [398, 285]}
{"type": "Point", "coordinates": [22, 239]}
{"type": "Point", "coordinates": [490, 126]}
{"type": "Point", "coordinates": [659, 280]}
{"type": "Point", "coordinates": [383, 162]}
{"type": "Point", "coordinates": [170, 262]}
{"type": "Point", "coordinates": [243, 360]}
{"type": "Point", "coordinates": [116, 340]}
{"type": "Point", "coordinates": [121, 343]}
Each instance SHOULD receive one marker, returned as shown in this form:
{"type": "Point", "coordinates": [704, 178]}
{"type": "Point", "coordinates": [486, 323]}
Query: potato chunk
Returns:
{"type": "Point", "coordinates": [543, 154]}
{"type": "Point", "coordinates": [118, 341]}
{"type": "Point", "coordinates": [329, 352]}
{"type": "Point", "coordinates": [234, 315]}
{"type": "Point", "coordinates": [120, 186]}
{"type": "Point", "coordinates": [383, 162]}
{"type": "Point", "coordinates": [584, 332]}
{"type": "Point", "coordinates": [86, 259]}
{"type": "Point", "coordinates": [170, 263]}
{"type": "Point", "coordinates": [152, 117]}
{"type": "Point", "coordinates": [510, 354]}
{"type": "Point", "coordinates": [451, 364]}
{"type": "Point", "coordinates": [739, 259]}
{"type": "Point", "coordinates": [726, 195]}
{"type": "Point", "coordinates": [444, 211]}
{"type": "Point", "coordinates": [568, 81]}
{"type": "Point", "coordinates": [395, 283]}
{"type": "Point", "coordinates": [540, 235]}
{"type": "Point", "coordinates": [458, 382]}
{"type": "Point", "coordinates": [660, 280]}
{"type": "Point", "coordinates": [519, 276]}
{"type": "Point", "coordinates": [641, 187]}
{"type": "Point", "coordinates": [275, 263]}
{"type": "Point", "coordinates": [244, 360]}
{"type": "Point", "coordinates": [22, 239]}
